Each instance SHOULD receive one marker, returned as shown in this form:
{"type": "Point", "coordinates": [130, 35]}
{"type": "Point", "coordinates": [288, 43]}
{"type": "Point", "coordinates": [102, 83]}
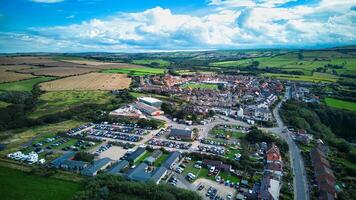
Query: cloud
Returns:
{"type": "Point", "coordinates": [47, 1]}
{"type": "Point", "coordinates": [252, 24]}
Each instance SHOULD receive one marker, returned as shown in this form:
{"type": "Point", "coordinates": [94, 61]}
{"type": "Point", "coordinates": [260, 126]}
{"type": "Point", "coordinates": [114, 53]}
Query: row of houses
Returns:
{"type": "Point", "coordinates": [273, 172]}
{"type": "Point", "coordinates": [323, 175]}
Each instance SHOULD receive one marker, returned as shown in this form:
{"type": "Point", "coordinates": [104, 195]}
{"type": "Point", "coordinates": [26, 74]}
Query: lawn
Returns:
{"type": "Point", "coordinates": [146, 155]}
{"type": "Point", "coordinates": [190, 168]}
{"type": "Point", "coordinates": [162, 158]}
{"type": "Point", "coordinates": [143, 71]}
{"type": "Point", "coordinates": [228, 176]}
{"type": "Point", "coordinates": [3, 104]}
{"type": "Point", "coordinates": [231, 154]}
{"type": "Point", "coordinates": [317, 77]}
{"type": "Point", "coordinates": [336, 103]}
{"type": "Point", "coordinates": [17, 137]}
{"type": "Point", "coordinates": [25, 85]}
{"type": "Point", "coordinates": [200, 86]}
{"type": "Point", "coordinates": [227, 133]}
{"type": "Point", "coordinates": [16, 184]}
{"type": "Point", "coordinates": [152, 62]}
{"type": "Point", "coordinates": [54, 102]}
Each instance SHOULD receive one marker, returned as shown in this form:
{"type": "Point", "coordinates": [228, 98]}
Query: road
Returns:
{"type": "Point", "coordinates": [300, 181]}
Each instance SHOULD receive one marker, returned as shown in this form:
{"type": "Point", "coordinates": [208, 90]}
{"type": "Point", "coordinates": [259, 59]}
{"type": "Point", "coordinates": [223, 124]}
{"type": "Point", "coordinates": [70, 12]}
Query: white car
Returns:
{"type": "Point", "coordinates": [229, 196]}
{"type": "Point", "coordinates": [218, 179]}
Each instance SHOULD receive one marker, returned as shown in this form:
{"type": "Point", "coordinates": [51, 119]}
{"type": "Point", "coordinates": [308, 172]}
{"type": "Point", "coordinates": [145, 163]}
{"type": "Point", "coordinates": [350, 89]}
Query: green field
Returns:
{"type": "Point", "coordinates": [310, 61]}
{"type": "Point", "coordinates": [54, 102]}
{"type": "Point", "coordinates": [25, 85]}
{"type": "Point", "coordinates": [336, 103]}
{"type": "Point", "coordinates": [317, 77]}
{"type": "Point", "coordinates": [200, 86]}
{"type": "Point", "coordinates": [227, 133]}
{"type": "Point", "coordinates": [3, 104]}
{"type": "Point", "coordinates": [136, 71]}
{"type": "Point", "coordinates": [152, 62]}
{"type": "Point", "coordinates": [16, 184]}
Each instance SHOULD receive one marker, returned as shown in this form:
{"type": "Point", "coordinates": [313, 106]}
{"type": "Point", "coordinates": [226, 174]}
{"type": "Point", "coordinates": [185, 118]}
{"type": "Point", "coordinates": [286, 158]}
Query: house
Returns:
{"type": "Point", "coordinates": [74, 165]}
{"type": "Point", "coordinates": [147, 109]}
{"type": "Point", "coordinates": [273, 153]}
{"type": "Point", "coordinates": [155, 155]}
{"type": "Point", "coordinates": [184, 134]}
{"type": "Point", "coordinates": [118, 167]}
{"type": "Point", "coordinates": [274, 169]}
{"type": "Point", "coordinates": [58, 161]}
{"type": "Point", "coordinates": [171, 160]}
{"type": "Point", "coordinates": [96, 166]}
{"type": "Point", "coordinates": [269, 190]}
{"type": "Point", "coordinates": [141, 173]}
{"type": "Point", "coordinates": [323, 175]}
{"type": "Point", "coordinates": [134, 156]}
{"type": "Point", "coordinates": [150, 101]}
{"type": "Point", "coordinates": [217, 164]}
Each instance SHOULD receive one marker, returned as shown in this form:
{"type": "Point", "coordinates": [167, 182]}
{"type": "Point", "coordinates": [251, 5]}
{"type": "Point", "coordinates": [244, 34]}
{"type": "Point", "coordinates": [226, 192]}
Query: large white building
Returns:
{"type": "Point", "coordinates": [150, 101]}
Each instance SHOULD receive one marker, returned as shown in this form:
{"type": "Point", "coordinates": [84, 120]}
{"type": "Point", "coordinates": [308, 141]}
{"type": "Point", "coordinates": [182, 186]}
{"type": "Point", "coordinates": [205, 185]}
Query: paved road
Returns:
{"type": "Point", "coordinates": [300, 181]}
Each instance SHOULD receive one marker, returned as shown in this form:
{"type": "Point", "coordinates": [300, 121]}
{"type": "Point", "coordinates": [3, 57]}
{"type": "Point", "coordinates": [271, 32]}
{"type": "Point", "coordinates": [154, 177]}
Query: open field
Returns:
{"type": "Point", "coordinates": [137, 71]}
{"type": "Point", "coordinates": [18, 137]}
{"type": "Point", "coordinates": [16, 184]}
{"type": "Point", "coordinates": [200, 86]}
{"type": "Point", "coordinates": [24, 85]}
{"type": "Point", "coordinates": [57, 71]}
{"type": "Point", "coordinates": [336, 103]}
{"type": "Point", "coordinates": [309, 61]}
{"type": "Point", "coordinates": [3, 104]}
{"type": "Point", "coordinates": [7, 76]}
{"type": "Point", "coordinates": [23, 60]}
{"type": "Point", "coordinates": [153, 62]}
{"type": "Point", "coordinates": [91, 81]}
{"type": "Point", "coordinates": [16, 67]}
{"type": "Point", "coordinates": [59, 101]}
{"type": "Point", "coordinates": [317, 77]}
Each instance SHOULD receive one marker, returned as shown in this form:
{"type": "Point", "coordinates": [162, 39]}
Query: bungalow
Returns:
{"type": "Point", "coordinates": [217, 164]}
{"type": "Point", "coordinates": [141, 173]}
{"type": "Point", "coordinates": [185, 134]}
{"type": "Point", "coordinates": [134, 156]}
{"type": "Point", "coordinates": [171, 160]}
{"type": "Point", "coordinates": [74, 165]}
{"type": "Point", "coordinates": [118, 167]}
{"type": "Point", "coordinates": [58, 161]}
{"type": "Point", "coordinates": [97, 165]}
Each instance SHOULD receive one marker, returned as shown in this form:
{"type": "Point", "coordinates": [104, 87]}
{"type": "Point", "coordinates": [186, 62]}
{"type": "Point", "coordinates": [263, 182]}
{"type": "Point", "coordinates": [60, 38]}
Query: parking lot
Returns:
{"type": "Point", "coordinates": [114, 152]}
{"type": "Point", "coordinates": [169, 144]}
{"type": "Point", "coordinates": [202, 186]}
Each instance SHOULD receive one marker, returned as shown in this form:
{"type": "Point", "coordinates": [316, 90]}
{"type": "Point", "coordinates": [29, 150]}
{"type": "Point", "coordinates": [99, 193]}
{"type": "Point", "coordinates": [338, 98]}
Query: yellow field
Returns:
{"type": "Point", "coordinates": [57, 71]}
{"type": "Point", "coordinates": [91, 81]}
{"type": "Point", "coordinates": [7, 76]}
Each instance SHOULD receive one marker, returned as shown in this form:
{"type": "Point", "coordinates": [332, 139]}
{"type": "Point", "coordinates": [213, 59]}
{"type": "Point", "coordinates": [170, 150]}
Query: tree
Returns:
{"type": "Point", "coordinates": [84, 156]}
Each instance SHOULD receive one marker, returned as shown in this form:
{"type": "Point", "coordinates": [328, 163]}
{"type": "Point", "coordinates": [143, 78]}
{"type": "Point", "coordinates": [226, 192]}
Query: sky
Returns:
{"type": "Point", "coordinates": [173, 25]}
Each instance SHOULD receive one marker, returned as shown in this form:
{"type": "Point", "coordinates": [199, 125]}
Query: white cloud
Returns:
{"type": "Point", "coordinates": [260, 24]}
{"type": "Point", "coordinates": [47, 1]}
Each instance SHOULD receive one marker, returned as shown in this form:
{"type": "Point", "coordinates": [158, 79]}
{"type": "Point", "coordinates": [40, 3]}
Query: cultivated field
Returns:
{"type": "Point", "coordinates": [91, 81]}
{"type": "Point", "coordinates": [153, 62]}
{"type": "Point", "coordinates": [143, 71]}
{"type": "Point", "coordinates": [316, 77]}
{"type": "Point", "coordinates": [337, 103]}
{"type": "Point", "coordinates": [23, 60]}
{"type": "Point", "coordinates": [24, 85]}
{"type": "Point", "coordinates": [7, 76]}
{"type": "Point", "coordinates": [57, 71]}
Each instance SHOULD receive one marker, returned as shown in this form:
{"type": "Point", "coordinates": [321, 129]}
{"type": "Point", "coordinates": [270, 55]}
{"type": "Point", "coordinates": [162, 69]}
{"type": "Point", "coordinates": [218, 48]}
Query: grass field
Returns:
{"type": "Point", "coordinates": [57, 71]}
{"type": "Point", "coordinates": [317, 77]}
{"type": "Point", "coordinates": [3, 104]}
{"type": "Point", "coordinates": [227, 133]}
{"type": "Point", "coordinates": [18, 137]}
{"type": "Point", "coordinates": [54, 102]}
{"type": "Point", "coordinates": [16, 184]}
{"type": "Point", "coordinates": [154, 62]}
{"type": "Point", "coordinates": [200, 86]}
{"type": "Point", "coordinates": [91, 81]}
{"type": "Point", "coordinates": [336, 103]}
{"type": "Point", "coordinates": [143, 71]}
{"type": "Point", "coordinates": [24, 85]}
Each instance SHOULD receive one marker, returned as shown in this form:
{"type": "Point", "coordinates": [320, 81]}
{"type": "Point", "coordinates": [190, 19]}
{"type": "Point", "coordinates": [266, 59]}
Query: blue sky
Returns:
{"type": "Point", "coordinates": [166, 25]}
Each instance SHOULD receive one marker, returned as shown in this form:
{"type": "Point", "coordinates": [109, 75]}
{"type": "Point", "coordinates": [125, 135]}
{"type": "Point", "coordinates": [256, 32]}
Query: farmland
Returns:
{"type": "Point", "coordinates": [317, 77]}
{"type": "Point", "coordinates": [336, 103]}
{"type": "Point", "coordinates": [200, 86]}
{"type": "Point", "coordinates": [57, 71]}
{"type": "Point", "coordinates": [20, 185]}
{"type": "Point", "coordinates": [54, 102]}
{"type": "Point", "coordinates": [23, 60]}
{"type": "Point", "coordinates": [137, 71]}
{"type": "Point", "coordinates": [8, 76]}
{"type": "Point", "coordinates": [91, 81]}
{"type": "Point", "coordinates": [24, 85]}
{"type": "Point", "coordinates": [152, 62]}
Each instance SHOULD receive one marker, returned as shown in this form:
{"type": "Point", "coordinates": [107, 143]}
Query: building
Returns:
{"type": "Point", "coordinates": [141, 173]}
{"type": "Point", "coordinates": [273, 154]}
{"type": "Point", "coordinates": [127, 112]}
{"type": "Point", "coordinates": [117, 168]}
{"type": "Point", "coordinates": [147, 109]}
{"type": "Point", "coordinates": [58, 161]}
{"type": "Point", "coordinates": [171, 160]}
{"type": "Point", "coordinates": [184, 134]}
{"type": "Point", "coordinates": [74, 165]}
{"type": "Point", "coordinates": [155, 155]}
{"type": "Point", "coordinates": [134, 156]}
{"type": "Point", "coordinates": [217, 164]}
{"type": "Point", "coordinates": [269, 190]}
{"type": "Point", "coordinates": [96, 166]}
{"type": "Point", "coordinates": [274, 169]}
{"type": "Point", "coordinates": [151, 101]}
